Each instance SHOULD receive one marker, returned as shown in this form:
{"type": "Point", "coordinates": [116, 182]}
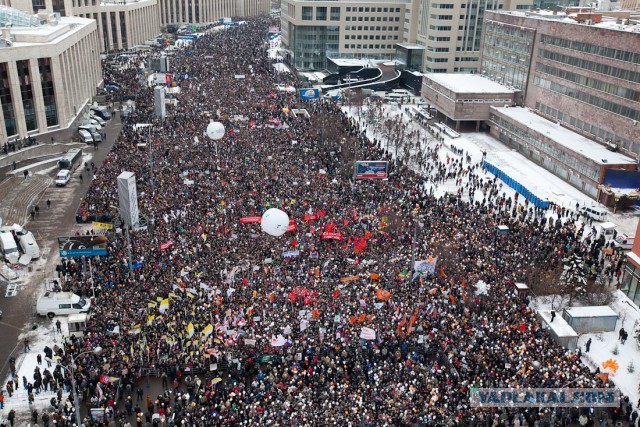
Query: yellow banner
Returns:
{"type": "Point", "coordinates": [106, 225]}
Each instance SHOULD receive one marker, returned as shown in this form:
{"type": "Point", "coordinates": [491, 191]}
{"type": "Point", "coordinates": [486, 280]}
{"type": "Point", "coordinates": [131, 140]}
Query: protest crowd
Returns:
{"type": "Point", "coordinates": [247, 329]}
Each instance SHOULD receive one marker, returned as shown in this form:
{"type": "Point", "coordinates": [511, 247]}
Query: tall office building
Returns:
{"type": "Point", "coordinates": [581, 71]}
{"type": "Point", "coordinates": [49, 70]}
{"type": "Point", "coordinates": [451, 31]}
{"type": "Point", "coordinates": [315, 30]}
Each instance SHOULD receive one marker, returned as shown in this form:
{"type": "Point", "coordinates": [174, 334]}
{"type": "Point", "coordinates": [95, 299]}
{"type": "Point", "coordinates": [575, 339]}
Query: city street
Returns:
{"type": "Point", "coordinates": [18, 198]}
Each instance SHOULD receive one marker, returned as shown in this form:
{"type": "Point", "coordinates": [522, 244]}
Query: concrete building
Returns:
{"type": "Point", "coordinates": [465, 97]}
{"type": "Point", "coordinates": [315, 30]}
{"type": "Point", "coordinates": [576, 159]}
{"type": "Point", "coordinates": [49, 70]}
{"type": "Point", "coordinates": [631, 277]}
{"type": "Point", "coordinates": [202, 11]}
{"type": "Point", "coordinates": [121, 24]}
{"type": "Point", "coordinates": [571, 69]}
{"type": "Point", "coordinates": [451, 31]}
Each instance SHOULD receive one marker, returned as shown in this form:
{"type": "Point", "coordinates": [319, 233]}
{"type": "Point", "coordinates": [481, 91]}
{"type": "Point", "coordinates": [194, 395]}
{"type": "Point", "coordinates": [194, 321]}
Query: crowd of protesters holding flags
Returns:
{"type": "Point", "coordinates": [247, 329]}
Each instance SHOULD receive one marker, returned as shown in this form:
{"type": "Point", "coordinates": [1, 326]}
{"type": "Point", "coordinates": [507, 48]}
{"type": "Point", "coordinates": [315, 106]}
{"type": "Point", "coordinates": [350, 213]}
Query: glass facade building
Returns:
{"type": "Point", "coordinates": [631, 282]}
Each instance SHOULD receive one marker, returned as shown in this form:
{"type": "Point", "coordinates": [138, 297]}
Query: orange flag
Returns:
{"type": "Point", "coordinates": [375, 276]}
{"type": "Point", "coordinates": [464, 283]}
{"type": "Point", "coordinates": [370, 317]}
{"type": "Point", "coordinates": [442, 272]}
{"type": "Point", "coordinates": [362, 317]}
{"type": "Point", "coordinates": [452, 298]}
{"type": "Point", "coordinates": [315, 313]}
{"type": "Point", "coordinates": [271, 297]}
{"type": "Point", "coordinates": [367, 234]}
{"type": "Point", "coordinates": [353, 319]}
{"type": "Point", "coordinates": [413, 319]}
{"type": "Point", "coordinates": [604, 376]}
{"type": "Point", "coordinates": [383, 295]}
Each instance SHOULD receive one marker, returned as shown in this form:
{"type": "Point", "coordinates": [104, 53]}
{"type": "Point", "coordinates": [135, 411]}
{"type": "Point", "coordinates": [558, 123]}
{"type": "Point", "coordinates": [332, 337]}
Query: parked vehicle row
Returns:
{"type": "Point", "coordinates": [15, 240]}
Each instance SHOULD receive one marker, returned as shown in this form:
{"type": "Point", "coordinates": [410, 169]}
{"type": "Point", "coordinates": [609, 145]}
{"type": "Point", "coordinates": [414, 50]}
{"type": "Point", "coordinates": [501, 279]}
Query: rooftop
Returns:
{"type": "Point", "coordinates": [468, 83]}
{"type": "Point", "coordinates": [608, 23]}
{"type": "Point", "coordinates": [565, 137]}
{"type": "Point", "coordinates": [593, 311]}
{"type": "Point", "coordinates": [410, 46]}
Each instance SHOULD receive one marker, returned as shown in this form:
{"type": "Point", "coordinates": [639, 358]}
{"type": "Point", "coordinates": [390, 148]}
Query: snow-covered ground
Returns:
{"type": "Point", "coordinates": [605, 344]}
{"type": "Point", "coordinates": [538, 180]}
{"type": "Point", "coordinates": [26, 363]}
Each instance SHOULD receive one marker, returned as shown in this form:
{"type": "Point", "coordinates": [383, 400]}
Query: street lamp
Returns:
{"type": "Point", "coordinates": [76, 402]}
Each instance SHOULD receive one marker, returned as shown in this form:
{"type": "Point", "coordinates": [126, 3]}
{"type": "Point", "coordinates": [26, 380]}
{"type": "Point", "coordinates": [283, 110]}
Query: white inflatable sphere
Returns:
{"type": "Point", "coordinates": [215, 130]}
{"type": "Point", "coordinates": [275, 222]}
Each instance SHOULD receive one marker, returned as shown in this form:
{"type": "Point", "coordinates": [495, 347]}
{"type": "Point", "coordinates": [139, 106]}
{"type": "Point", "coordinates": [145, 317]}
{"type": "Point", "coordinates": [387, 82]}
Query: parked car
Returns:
{"type": "Point", "coordinates": [85, 136]}
{"type": "Point", "coordinates": [63, 177]}
{"type": "Point", "coordinates": [97, 119]}
{"type": "Point", "coordinates": [9, 248]}
{"type": "Point", "coordinates": [91, 122]}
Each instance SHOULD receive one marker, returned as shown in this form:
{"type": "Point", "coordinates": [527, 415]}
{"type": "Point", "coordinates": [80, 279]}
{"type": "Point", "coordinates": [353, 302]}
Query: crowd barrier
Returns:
{"type": "Point", "coordinates": [521, 189]}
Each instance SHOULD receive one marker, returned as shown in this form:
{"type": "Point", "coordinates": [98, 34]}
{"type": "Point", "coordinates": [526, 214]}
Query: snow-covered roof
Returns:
{"type": "Point", "coordinates": [591, 311]}
{"type": "Point", "coordinates": [560, 326]}
{"type": "Point", "coordinates": [522, 286]}
{"type": "Point", "coordinates": [345, 62]}
{"type": "Point", "coordinates": [607, 22]}
{"type": "Point", "coordinates": [468, 83]}
{"type": "Point", "coordinates": [411, 46]}
{"type": "Point", "coordinates": [565, 137]}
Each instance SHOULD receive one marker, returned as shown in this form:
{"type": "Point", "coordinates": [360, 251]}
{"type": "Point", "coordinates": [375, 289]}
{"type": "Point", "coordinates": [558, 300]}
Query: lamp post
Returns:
{"type": "Point", "coordinates": [70, 369]}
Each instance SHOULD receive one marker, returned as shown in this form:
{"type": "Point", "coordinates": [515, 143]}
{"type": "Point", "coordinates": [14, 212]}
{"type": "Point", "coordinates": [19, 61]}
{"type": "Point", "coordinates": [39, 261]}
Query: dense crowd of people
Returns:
{"type": "Point", "coordinates": [245, 328]}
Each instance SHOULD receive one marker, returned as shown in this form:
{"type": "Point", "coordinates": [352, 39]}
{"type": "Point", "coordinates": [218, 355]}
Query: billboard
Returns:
{"type": "Point", "coordinates": [371, 170]}
{"type": "Point", "coordinates": [128, 198]}
{"type": "Point", "coordinates": [159, 106]}
{"type": "Point", "coordinates": [82, 246]}
{"type": "Point", "coordinates": [307, 94]}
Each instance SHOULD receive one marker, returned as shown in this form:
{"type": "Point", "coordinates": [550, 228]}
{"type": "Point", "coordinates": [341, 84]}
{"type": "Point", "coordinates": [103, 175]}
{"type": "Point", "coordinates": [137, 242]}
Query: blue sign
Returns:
{"type": "Point", "coordinates": [371, 170]}
{"type": "Point", "coordinates": [82, 246]}
{"type": "Point", "coordinates": [307, 94]}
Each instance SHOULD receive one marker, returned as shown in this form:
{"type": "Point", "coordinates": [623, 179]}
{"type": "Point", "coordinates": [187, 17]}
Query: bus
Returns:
{"type": "Point", "coordinates": [69, 159]}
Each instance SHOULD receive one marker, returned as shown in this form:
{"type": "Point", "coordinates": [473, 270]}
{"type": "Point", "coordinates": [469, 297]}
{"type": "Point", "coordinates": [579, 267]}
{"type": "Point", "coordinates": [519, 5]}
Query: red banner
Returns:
{"type": "Point", "coordinates": [246, 219]}
{"type": "Point", "coordinates": [308, 217]}
{"type": "Point", "coordinates": [292, 226]}
{"type": "Point", "coordinates": [165, 245]}
{"type": "Point", "coordinates": [335, 236]}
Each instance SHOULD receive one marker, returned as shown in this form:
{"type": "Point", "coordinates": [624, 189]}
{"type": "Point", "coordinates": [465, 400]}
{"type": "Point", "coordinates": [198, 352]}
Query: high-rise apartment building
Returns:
{"type": "Point", "coordinates": [315, 30]}
{"type": "Point", "coordinates": [201, 11]}
{"type": "Point", "coordinates": [451, 31]}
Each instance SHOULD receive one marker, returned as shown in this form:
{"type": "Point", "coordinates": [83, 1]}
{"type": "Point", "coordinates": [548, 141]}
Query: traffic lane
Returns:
{"type": "Point", "coordinates": [59, 220]}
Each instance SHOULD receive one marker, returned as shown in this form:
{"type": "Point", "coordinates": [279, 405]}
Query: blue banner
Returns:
{"type": "Point", "coordinates": [307, 94]}
{"type": "Point", "coordinates": [82, 246]}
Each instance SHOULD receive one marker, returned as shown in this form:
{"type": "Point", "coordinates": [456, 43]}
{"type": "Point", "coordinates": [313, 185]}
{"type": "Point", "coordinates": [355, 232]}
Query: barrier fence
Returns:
{"type": "Point", "coordinates": [521, 189]}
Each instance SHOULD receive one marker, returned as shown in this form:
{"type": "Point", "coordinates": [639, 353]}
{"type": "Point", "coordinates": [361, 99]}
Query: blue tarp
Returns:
{"type": "Point", "coordinates": [521, 189]}
{"type": "Point", "coordinates": [621, 178]}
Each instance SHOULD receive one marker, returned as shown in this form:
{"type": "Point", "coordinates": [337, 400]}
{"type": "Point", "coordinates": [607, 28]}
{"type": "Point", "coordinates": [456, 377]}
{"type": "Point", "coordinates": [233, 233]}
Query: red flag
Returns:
{"type": "Point", "coordinates": [104, 379]}
{"type": "Point", "coordinates": [245, 281]}
{"type": "Point", "coordinates": [336, 293]}
{"type": "Point", "coordinates": [320, 213]}
{"type": "Point", "coordinates": [523, 327]}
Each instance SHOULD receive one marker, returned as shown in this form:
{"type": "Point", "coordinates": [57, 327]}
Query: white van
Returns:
{"type": "Point", "coordinates": [624, 241]}
{"type": "Point", "coordinates": [594, 212]}
{"type": "Point", "coordinates": [63, 177]}
{"type": "Point", "coordinates": [9, 247]}
{"type": "Point", "coordinates": [85, 136]}
{"type": "Point", "coordinates": [27, 242]}
{"type": "Point", "coordinates": [53, 304]}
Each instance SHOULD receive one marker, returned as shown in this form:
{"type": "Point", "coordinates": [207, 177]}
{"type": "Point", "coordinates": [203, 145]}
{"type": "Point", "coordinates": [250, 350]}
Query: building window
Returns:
{"type": "Point", "coordinates": [26, 90]}
{"type": "Point", "coordinates": [321, 13]}
{"type": "Point", "coordinates": [48, 91]}
{"type": "Point", "coordinates": [6, 101]}
{"type": "Point", "coordinates": [307, 13]}
{"type": "Point", "coordinates": [335, 13]}
{"type": "Point", "coordinates": [123, 29]}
